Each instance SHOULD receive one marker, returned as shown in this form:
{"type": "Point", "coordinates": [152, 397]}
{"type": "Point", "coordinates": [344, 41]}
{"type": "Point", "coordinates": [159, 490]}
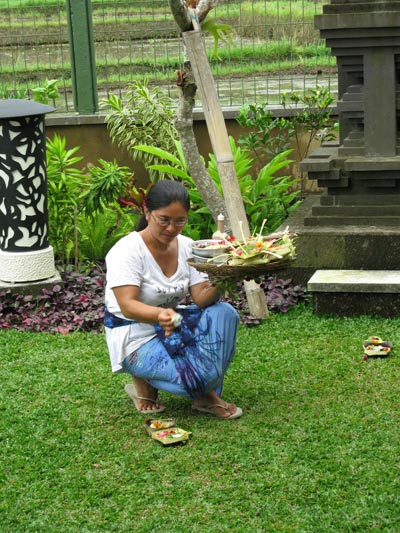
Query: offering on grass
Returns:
{"type": "Point", "coordinates": [171, 435]}
{"type": "Point", "coordinates": [157, 424]}
{"type": "Point", "coordinates": [376, 347]}
{"type": "Point", "coordinates": [165, 431]}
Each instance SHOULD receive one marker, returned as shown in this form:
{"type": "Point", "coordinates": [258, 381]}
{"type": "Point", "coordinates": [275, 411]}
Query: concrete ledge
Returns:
{"type": "Point", "coordinates": [230, 113]}
{"type": "Point", "coordinates": [360, 281]}
{"type": "Point", "coordinates": [33, 287]}
{"type": "Point", "coordinates": [355, 292]}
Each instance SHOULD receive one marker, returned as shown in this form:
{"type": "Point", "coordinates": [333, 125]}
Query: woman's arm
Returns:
{"type": "Point", "coordinates": [204, 293]}
{"type": "Point", "coordinates": [132, 308]}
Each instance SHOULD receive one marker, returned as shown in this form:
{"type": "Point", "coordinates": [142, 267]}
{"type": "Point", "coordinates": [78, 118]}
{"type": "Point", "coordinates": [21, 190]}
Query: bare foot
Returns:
{"type": "Point", "coordinates": [211, 403]}
{"type": "Point", "coordinates": [144, 396]}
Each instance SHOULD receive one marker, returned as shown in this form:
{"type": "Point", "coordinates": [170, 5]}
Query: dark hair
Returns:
{"type": "Point", "coordinates": [162, 194]}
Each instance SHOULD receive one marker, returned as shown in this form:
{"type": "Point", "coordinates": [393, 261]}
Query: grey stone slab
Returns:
{"type": "Point", "coordinates": [357, 20]}
{"type": "Point", "coordinates": [364, 281]}
{"type": "Point", "coordinates": [352, 246]}
{"type": "Point", "coordinates": [377, 220]}
{"type": "Point", "coordinates": [372, 163]}
{"type": "Point", "coordinates": [354, 210]}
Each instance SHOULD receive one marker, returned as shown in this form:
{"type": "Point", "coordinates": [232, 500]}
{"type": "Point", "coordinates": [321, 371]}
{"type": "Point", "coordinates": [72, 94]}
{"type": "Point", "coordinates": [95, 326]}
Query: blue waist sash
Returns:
{"type": "Point", "coordinates": [181, 346]}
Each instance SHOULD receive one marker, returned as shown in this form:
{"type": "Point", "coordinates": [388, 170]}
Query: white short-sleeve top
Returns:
{"type": "Point", "coordinates": [129, 262]}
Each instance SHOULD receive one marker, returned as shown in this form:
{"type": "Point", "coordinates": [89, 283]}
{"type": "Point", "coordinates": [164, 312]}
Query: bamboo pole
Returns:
{"type": "Point", "coordinates": [222, 150]}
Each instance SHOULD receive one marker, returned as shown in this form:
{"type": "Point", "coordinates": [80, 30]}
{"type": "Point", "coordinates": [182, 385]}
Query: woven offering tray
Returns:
{"type": "Point", "coordinates": [231, 259]}
{"type": "Point", "coordinates": [170, 436]}
{"type": "Point", "coordinates": [164, 430]}
{"type": "Point", "coordinates": [376, 347]}
{"type": "Point", "coordinates": [239, 272]}
{"type": "Point", "coordinates": [158, 424]}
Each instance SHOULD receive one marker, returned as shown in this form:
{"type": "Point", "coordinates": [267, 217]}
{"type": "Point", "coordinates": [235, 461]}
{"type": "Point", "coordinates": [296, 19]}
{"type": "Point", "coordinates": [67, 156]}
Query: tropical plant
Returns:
{"type": "Point", "coordinates": [268, 135]}
{"type": "Point", "coordinates": [146, 117]}
{"type": "Point", "coordinates": [267, 196]}
{"type": "Point", "coordinates": [312, 119]}
{"type": "Point", "coordinates": [98, 232]}
{"type": "Point", "coordinates": [309, 121]}
{"type": "Point", "coordinates": [88, 210]}
{"type": "Point", "coordinates": [106, 183]}
{"type": "Point", "coordinates": [64, 188]}
{"type": "Point", "coordinates": [47, 92]}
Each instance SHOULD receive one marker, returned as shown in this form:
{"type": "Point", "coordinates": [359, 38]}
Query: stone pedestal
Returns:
{"type": "Point", "coordinates": [25, 253]}
{"type": "Point", "coordinates": [349, 247]}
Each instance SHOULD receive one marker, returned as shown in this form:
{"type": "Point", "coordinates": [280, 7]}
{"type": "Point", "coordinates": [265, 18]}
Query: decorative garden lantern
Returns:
{"type": "Point", "coordinates": [25, 253]}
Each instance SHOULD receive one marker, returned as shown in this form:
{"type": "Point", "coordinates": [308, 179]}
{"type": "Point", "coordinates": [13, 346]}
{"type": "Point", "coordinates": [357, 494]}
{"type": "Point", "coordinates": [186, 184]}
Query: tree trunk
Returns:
{"type": "Point", "coordinates": [191, 13]}
{"type": "Point", "coordinates": [180, 14]}
{"type": "Point", "coordinates": [184, 126]}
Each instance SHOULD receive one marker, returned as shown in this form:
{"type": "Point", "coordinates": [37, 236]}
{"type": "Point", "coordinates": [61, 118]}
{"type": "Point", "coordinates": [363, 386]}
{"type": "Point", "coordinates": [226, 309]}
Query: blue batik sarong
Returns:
{"type": "Point", "coordinates": [193, 360]}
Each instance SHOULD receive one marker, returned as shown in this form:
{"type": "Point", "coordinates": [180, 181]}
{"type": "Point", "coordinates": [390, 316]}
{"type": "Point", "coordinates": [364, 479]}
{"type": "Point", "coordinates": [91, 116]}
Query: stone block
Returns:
{"type": "Point", "coordinates": [355, 292]}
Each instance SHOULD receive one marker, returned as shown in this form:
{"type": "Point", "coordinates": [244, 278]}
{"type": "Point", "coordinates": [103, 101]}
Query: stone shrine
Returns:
{"type": "Point", "coordinates": [353, 228]}
{"type": "Point", "coordinates": [361, 172]}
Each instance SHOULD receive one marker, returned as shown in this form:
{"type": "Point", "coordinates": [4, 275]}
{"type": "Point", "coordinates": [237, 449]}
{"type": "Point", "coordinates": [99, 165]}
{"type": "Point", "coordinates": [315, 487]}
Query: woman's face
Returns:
{"type": "Point", "coordinates": [167, 222]}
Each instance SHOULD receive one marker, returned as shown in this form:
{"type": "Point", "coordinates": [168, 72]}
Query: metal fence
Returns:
{"type": "Point", "coordinates": [272, 48]}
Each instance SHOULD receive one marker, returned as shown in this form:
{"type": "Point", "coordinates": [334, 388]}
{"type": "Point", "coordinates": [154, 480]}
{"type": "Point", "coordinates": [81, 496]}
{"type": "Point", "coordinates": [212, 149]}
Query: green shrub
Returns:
{"type": "Point", "coordinates": [87, 214]}
{"type": "Point", "coordinates": [100, 231]}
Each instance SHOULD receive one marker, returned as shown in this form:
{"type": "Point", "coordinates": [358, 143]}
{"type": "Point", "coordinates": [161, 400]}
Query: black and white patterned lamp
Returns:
{"type": "Point", "coordinates": [25, 253]}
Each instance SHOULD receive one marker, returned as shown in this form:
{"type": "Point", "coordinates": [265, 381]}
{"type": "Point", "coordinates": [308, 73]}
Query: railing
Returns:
{"type": "Point", "coordinates": [96, 48]}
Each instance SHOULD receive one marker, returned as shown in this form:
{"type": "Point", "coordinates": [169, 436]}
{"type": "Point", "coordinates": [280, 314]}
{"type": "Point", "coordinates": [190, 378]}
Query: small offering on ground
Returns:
{"type": "Point", "coordinates": [374, 346]}
{"type": "Point", "coordinates": [165, 431]}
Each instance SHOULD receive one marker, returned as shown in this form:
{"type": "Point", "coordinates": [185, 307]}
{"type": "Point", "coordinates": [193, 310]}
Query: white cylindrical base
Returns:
{"type": "Point", "coordinates": [20, 267]}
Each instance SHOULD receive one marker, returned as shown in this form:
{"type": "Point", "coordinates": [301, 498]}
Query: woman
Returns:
{"type": "Point", "coordinates": [183, 350]}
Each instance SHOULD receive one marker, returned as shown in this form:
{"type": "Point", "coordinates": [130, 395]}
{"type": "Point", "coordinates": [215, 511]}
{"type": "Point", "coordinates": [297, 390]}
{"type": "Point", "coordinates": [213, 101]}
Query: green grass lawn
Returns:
{"type": "Point", "coordinates": [317, 449]}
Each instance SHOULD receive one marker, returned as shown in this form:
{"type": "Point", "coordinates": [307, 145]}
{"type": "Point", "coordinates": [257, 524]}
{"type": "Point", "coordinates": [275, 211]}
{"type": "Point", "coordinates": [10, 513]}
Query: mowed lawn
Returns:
{"type": "Point", "coordinates": [317, 448]}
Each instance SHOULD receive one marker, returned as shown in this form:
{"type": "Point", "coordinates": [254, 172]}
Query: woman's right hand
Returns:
{"type": "Point", "coordinates": [128, 301]}
{"type": "Point", "coordinates": [165, 319]}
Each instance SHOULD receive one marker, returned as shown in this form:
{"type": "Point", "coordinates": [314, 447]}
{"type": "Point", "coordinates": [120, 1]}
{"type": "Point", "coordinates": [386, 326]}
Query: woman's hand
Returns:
{"type": "Point", "coordinates": [166, 320]}
{"type": "Point", "coordinates": [128, 300]}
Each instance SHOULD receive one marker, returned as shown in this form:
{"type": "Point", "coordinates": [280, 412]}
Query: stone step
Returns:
{"type": "Point", "coordinates": [362, 199]}
{"type": "Point", "coordinates": [374, 221]}
{"type": "Point", "coordinates": [368, 281]}
{"type": "Point", "coordinates": [355, 292]}
{"type": "Point", "coordinates": [356, 210]}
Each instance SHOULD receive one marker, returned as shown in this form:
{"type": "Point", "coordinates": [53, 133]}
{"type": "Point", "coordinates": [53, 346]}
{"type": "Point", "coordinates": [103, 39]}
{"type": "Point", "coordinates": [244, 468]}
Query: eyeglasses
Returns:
{"type": "Point", "coordinates": [165, 221]}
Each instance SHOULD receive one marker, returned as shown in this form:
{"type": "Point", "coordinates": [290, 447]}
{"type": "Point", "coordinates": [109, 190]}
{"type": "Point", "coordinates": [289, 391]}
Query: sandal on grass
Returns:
{"type": "Point", "coordinates": [130, 390]}
{"type": "Point", "coordinates": [210, 409]}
